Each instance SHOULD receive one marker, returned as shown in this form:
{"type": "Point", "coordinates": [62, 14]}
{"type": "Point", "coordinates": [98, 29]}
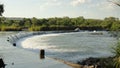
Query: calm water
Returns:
{"type": "Point", "coordinates": [3, 38]}
{"type": "Point", "coordinates": [4, 45]}
{"type": "Point", "coordinates": [71, 46]}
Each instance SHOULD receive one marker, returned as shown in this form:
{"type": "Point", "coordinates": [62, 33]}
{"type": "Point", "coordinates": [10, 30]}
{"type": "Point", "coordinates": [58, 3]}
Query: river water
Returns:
{"type": "Point", "coordinates": [72, 47]}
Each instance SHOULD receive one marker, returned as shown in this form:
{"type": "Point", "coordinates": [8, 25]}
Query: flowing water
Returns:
{"type": "Point", "coordinates": [71, 47]}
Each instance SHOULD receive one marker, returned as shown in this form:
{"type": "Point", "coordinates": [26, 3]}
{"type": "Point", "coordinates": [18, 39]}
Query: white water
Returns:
{"type": "Point", "coordinates": [71, 46]}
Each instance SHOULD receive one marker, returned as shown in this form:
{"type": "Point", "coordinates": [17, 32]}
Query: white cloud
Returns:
{"type": "Point", "coordinates": [78, 2]}
{"type": "Point", "coordinates": [48, 4]}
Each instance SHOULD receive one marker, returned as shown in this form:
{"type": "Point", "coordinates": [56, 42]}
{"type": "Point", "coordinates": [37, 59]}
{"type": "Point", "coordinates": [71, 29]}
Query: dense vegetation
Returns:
{"type": "Point", "coordinates": [65, 23]}
{"type": "Point", "coordinates": [108, 62]}
{"type": "Point", "coordinates": [116, 60]}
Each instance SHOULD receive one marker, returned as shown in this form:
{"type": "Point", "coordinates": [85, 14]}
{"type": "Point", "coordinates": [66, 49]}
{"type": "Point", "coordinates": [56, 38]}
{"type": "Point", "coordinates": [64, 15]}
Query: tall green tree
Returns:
{"type": "Point", "coordinates": [79, 20]}
{"type": "Point", "coordinates": [1, 9]}
{"type": "Point", "coordinates": [66, 21]}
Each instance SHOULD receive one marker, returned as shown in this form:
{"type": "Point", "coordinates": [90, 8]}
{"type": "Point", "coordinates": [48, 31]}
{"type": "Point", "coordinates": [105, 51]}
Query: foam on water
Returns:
{"type": "Point", "coordinates": [70, 46]}
{"type": "Point", "coordinates": [30, 42]}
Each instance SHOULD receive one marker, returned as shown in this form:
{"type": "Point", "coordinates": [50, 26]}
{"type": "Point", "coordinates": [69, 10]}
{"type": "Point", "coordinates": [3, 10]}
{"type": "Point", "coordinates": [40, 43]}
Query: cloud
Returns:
{"type": "Point", "coordinates": [49, 4]}
{"type": "Point", "coordinates": [78, 2]}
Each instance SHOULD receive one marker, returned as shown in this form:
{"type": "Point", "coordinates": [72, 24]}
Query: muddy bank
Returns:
{"type": "Point", "coordinates": [97, 62]}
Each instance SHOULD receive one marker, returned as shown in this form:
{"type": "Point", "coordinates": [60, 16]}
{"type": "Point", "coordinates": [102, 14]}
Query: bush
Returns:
{"type": "Point", "coordinates": [10, 29]}
{"type": "Point", "coordinates": [117, 56]}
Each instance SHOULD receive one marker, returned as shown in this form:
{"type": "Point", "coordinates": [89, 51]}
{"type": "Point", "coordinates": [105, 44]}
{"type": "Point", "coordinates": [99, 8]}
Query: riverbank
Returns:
{"type": "Point", "coordinates": [74, 65]}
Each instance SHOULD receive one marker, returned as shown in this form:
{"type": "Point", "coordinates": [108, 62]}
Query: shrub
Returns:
{"type": "Point", "coordinates": [117, 56]}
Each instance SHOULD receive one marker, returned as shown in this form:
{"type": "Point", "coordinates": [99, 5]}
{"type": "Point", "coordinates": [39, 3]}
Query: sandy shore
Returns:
{"type": "Point", "coordinates": [69, 63]}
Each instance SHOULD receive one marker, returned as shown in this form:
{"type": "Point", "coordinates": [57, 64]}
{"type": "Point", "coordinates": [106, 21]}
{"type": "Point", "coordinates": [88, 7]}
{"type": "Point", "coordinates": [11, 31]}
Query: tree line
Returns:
{"type": "Point", "coordinates": [57, 23]}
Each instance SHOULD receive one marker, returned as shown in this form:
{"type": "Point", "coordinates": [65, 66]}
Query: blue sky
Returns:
{"type": "Point", "coordinates": [98, 9]}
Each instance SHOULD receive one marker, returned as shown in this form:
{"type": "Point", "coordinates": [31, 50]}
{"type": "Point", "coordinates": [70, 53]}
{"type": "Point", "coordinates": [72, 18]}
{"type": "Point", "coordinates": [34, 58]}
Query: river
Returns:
{"type": "Point", "coordinates": [72, 47]}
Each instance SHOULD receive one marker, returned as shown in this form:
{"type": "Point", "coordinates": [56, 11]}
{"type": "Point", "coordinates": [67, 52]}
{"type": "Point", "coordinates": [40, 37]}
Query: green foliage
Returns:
{"type": "Point", "coordinates": [65, 23]}
{"type": "Point", "coordinates": [34, 29]}
{"type": "Point", "coordinates": [115, 26]}
{"type": "Point", "coordinates": [117, 50]}
{"type": "Point", "coordinates": [117, 56]}
{"type": "Point", "coordinates": [4, 28]}
{"type": "Point", "coordinates": [117, 62]}
{"type": "Point", "coordinates": [1, 9]}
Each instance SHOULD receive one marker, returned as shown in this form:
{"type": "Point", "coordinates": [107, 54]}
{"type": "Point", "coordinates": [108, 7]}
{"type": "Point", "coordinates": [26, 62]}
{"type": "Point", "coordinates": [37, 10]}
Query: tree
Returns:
{"type": "Point", "coordinates": [27, 23]}
{"type": "Point", "coordinates": [66, 21]}
{"type": "Point", "coordinates": [78, 21]}
{"type": "Point", "coordinates": [34, 21]}
{"type": "Point", "coordinates": [1, 9]}
{"type": "Point", "coordinates": [117, 2]}
{"type": "Point", "coordinates": [52, 21]}
{"type": "Point", "coordinates": [115, 26]}
{"type": "Point", "coordinates": [110, 23]}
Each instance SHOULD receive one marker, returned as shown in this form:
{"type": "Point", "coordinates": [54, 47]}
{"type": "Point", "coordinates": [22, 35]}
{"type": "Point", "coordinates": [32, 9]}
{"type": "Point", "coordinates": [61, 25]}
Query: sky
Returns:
{"type": "Point", "coordinates": [98, 9]}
